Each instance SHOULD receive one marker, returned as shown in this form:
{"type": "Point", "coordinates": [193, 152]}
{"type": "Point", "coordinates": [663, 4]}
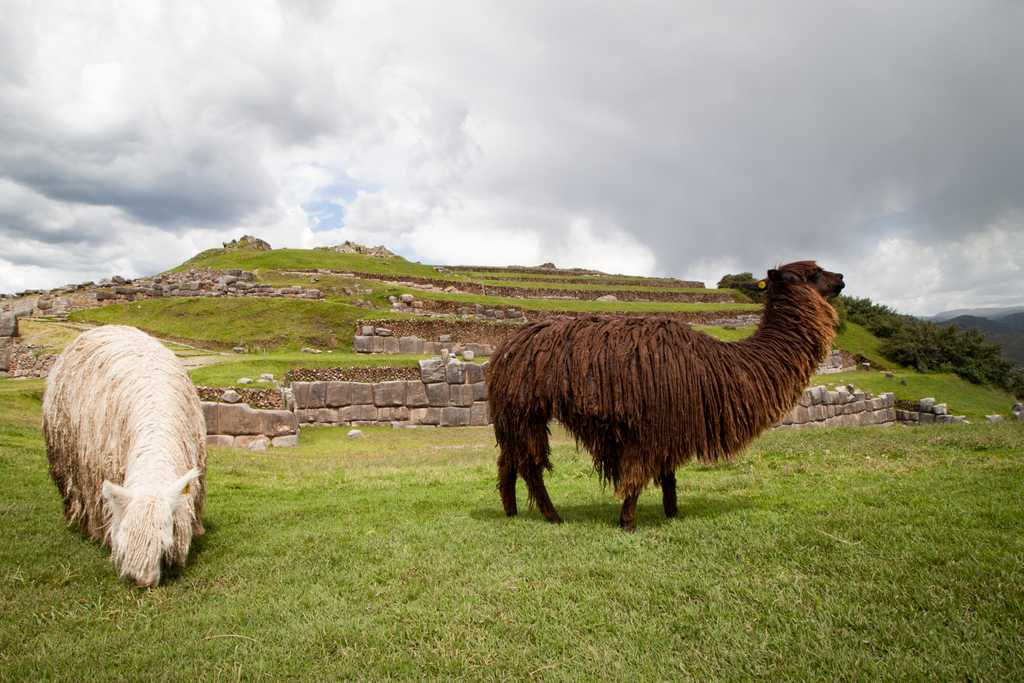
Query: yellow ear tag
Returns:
{"type": "Point", "coordinates": [761, 284]}
{"type": "Point", "coordinates": [184, 491]}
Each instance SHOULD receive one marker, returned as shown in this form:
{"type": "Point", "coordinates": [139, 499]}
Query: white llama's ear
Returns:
{"type": "Point", "coordinates": [117, 497]}
{"type": "Point", "coordinates": [182, 485]}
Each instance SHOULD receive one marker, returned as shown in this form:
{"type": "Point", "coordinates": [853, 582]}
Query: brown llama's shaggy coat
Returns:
{"type": "Point", "coordinates": [646, 395]}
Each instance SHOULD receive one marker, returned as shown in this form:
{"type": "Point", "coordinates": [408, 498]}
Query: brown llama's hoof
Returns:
{"type": "Point", "coordinates": [672, 512]}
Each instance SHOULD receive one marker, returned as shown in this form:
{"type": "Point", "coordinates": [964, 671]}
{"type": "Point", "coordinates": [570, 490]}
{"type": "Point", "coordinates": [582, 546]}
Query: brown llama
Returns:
{"type": "Point", "coordinates": [647, 395]}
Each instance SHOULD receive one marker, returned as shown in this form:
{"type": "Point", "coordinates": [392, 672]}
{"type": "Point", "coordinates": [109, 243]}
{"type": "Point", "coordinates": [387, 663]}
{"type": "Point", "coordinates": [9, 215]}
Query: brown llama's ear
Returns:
{"type": "Point", "coordinates": [774, 275]}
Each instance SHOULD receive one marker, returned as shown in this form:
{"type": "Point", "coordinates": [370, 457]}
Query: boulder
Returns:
{"type": "Point", "coordinates": [309, 394]}
{"type": "Point", "coordinates": [608, 297]}
{"type": "Point", "coordinates": [338, 394]}
{"type": "Point", "coordinates": [8, 325]}
{"type": "Point", "coordinates": [285, 441]}
{"type": "Point", "coordinates": [230, 396]}
{"type": "Point", "coordinates": [455, 373]}
{"type": "Point", "coordinates": [252, 443]}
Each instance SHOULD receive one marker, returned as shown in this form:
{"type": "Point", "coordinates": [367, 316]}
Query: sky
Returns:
{"type": "Point", "coordinates": [688, 139]}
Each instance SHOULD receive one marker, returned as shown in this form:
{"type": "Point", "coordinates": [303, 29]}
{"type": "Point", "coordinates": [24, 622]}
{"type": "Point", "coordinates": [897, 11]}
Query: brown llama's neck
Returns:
{"type": "Point", "coordinates": [795, 334]}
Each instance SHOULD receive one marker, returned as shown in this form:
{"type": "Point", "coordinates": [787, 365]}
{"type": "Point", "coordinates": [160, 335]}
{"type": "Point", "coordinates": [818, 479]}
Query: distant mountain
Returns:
{"type": "Point", "coordinates": [987, 313]}
{"type": "Point", "coordinates": [1006, 331]}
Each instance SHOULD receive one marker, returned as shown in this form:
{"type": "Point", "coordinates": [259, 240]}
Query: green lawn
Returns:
{"type": "Point", "coordinates": [855, 554]}
{"type": "Point", "coordinates": [257, 323]}
{"type": "Point", "coordinates": [973, 400]}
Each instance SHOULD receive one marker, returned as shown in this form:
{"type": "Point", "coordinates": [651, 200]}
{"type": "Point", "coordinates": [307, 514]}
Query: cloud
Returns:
{"type": "Point", "coordinates": [663, 137]}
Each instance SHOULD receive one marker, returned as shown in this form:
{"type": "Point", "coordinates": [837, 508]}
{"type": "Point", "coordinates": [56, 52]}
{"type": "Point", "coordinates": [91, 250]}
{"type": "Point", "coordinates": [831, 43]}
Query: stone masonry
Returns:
{"type": "Point", "coordinates": [240, 426]}
{"type": "Point", "coordinates": [449, 393]}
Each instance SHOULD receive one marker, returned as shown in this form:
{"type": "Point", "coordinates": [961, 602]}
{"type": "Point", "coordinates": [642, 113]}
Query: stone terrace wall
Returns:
{"type": "Point", "coordinates": [192, 283]}
{"type": "Point", "coordinates": [926, 411]}
{"type": "Point", "coordinates": [447, 394]}
{"type": "Point", "coordinates": [819, 407]}
{"type": "Point", "coordinates": [370, 339]}
{"type": "Point", "coordinates": [240, 426]}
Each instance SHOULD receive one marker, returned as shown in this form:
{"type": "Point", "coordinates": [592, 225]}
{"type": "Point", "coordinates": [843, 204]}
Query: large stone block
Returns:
{"type": "Point", "coordinates": [425, 416]}
{"type": "Point", "coordinates": [306, 415]}
{"type": "Point", "coordinates": [309, 394]}
{"type": "Point", "coordinates": [455, 373]}
{"type": "Point", "coordinates": [278, 422]}
{"type": "Point", "coordinates": [438, 394]}
{"type": "Point", "coordinates": [474, 373]}
{"type": "Point", "coordinates": [806, 398]}
{"type": "Point", "coordinates": [410, 345]}
{"type": "Point", "coordinates": [238, 419]}
{"type": "Point", "coordinates": [925, 404]}
{"type": "Point", "coordinates": [416, 394]}
{"type": "Point", "coordinates": [285, 441]}
{"type": "Point", "coordinates": [339, 394]}
{"type": "Point", "coordinates": [219, 440]}
{"type": "Point", "coordinates": [8, 325]}
{"type": "Point", "coordinates": [211, 414]}
{"type": "Point", "coordinates": [391, 344]}
{"type": "Point", "coordinates": [432, 370]}
{"type": "Point", "coordinates": [389, 393]}
{"type": "Point", "coordinates": [362, 392]}
{"type": "Point", "coordinates": [327, 416]}
{"type": "Point", "coordinates": [453, 416]}
{"type": "Point", "coordinates": [479, 413]}
{"type": "Point", "coordinates": [256, 442]}
{"type": "Point", "coordinates": [376, 344]}
{"type": "Point", "coordinates": [479, 391]}
{"type": "Point", "coordinates": [393, 414]}
{"type": "Point", "coordinates": [362, 344]}
{"type": "Point", "coordinates": [358, 413]}
{"type": "Point", "coordinates": [800, 414]}
{"type": "Point", "coordinates": [461, 395]}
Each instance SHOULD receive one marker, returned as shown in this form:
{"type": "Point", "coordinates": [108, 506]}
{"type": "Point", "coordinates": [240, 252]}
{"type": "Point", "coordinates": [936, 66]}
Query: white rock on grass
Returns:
{"type": "Point", "coordinates": [244, 380]}
{"type": "Point", "coordinates": [230, 396]}
{"type": "Point", "coordinates": [355, 434]}
{"type": "Point", "coordinates": [267, 377]}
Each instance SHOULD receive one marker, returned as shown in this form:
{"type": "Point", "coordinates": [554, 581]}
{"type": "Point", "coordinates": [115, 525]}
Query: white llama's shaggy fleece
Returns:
{"type": "Point", "coordinates": [125, 438]}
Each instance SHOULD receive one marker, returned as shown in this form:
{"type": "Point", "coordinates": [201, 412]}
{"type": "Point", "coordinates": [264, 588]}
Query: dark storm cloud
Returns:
{"type": "Point", "coordinates": [883, 138]}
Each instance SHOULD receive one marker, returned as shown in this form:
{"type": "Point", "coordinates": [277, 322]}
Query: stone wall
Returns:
{"type": "Point", "coordinates": [819, 407]}
{"type": "Point", "coordinates": [449, 393]}
{"type": "Point", "coordinates": [837, 361]}
{"type": "Point", "coordinates": [191, 283]}
{"type": "Point", "coordinates": [240, 426]}
{"type": "Point", "coordinates": [371, 339]}
{"type": "Point", "coordinates": [926, 411]}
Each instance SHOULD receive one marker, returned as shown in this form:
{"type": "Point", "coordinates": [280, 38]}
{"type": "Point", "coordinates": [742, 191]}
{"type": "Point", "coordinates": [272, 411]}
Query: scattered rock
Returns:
{"type": "Point", "coordinates": [608, 297]}
{"type": "Point", "coordinates": [994, 418]}
{"type": "Point", "coordinates": [230, 396]}
{"type": "Point", "coordinates": [354, 434]}
{"type": "Point", "coordinates": [309, 349]}
{"type": "Point", "coordinates": [239, 349]}
{"type": "Point", "coordinates": [888, 374]}
{"type": "Point", "coordinates": [244, 380]}
{"type": "Point", "coordinates": [407, 298]}
{"type": "Point", "coordinates": [468, 355]}
{"type": "Point", "coordinates": [267, 377]}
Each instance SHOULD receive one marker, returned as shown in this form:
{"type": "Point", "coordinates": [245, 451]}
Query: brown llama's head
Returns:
{"type": "Point", "coordinates": [827, 284]}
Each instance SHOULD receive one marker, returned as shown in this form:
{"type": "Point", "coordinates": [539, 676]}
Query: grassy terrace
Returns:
{"type": "Point", "coordinates": [973, 400]}
{"type": "Point", "coordinates": [851, 554]}
{"type": "Point", "coordinates": [598, 287]}
{"type": "Point", "coordinates": [254, 365]}
{"type": "Point", "coordinates": [556, 276]}
{"type": "Point", "coordinates": [577, 305]}
{"type": "Point", "coordinates": [257, 323]}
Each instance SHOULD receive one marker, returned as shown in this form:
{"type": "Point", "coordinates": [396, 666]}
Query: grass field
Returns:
{"type": "Point", "coordinates": [850, 554]}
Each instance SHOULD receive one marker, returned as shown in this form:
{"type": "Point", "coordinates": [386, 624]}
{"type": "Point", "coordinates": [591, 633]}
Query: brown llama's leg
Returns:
{"type": "Point", "coordinates": [534, 477]}
{"type": "Point", "coordinates": [627, 518]}
{"type": "Point", "coordinates": [507, 484]}
{"type": "Point", "coordinates": [668, 493]}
